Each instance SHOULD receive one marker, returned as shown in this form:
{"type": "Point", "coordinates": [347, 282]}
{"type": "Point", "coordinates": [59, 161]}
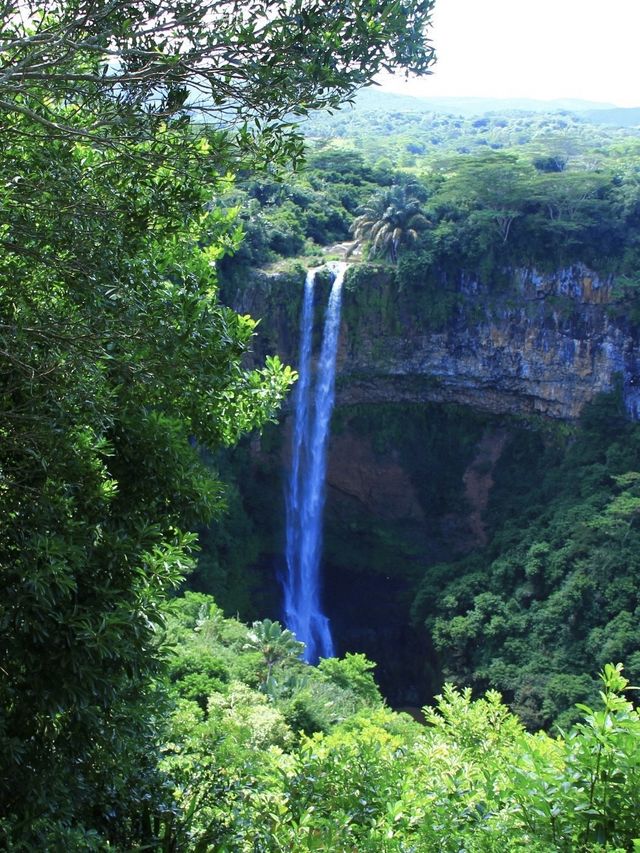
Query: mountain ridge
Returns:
{"type": "Point", "coordinates": [380, 100]}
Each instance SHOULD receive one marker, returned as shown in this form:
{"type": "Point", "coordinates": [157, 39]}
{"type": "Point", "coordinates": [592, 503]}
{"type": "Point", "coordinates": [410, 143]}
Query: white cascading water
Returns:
{"type": "Point", "coordinates": [306, 486]}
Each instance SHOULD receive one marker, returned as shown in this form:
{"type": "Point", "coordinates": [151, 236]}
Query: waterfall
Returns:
{"type": "Point", "coordinates": [305, 490]}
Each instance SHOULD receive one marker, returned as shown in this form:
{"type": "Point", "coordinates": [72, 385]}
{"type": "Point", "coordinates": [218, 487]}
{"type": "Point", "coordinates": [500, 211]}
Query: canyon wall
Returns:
{"type": "Point", "coordinates": [430, 377]}
{"type": "Point", "coordinates": [533, 344]}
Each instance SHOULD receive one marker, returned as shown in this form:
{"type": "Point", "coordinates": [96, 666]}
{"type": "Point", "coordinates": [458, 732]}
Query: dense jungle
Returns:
{"type": "Point", "coordinates": [169, 175]}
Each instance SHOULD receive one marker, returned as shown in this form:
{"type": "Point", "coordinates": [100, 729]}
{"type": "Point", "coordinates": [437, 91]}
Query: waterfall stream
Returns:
{"type": "Point", "coordinates": [306, 487]}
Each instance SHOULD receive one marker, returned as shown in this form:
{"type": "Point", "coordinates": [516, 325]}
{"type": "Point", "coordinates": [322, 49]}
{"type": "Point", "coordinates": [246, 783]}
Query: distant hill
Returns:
{"type": "Point", "coordinates": [616, 117]}
{"type": "Point", "coordinates": [377, 100]}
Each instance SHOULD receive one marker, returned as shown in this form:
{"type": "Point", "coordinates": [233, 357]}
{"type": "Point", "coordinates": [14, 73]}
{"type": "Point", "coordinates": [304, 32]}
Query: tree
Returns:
{"type": "Point", "coordinates": [493, 188]}
{"type": "Point", "coordinates": [275, 644]}
{"type": "Point", "coordinates": [353, 672]}
{"type": "Point", "coordinates": [390, 222]}
{"type": "Point", "coordinates": [568, 195]}
{"type": "Point", "coordinates": [243, 67]}
{"type": "Point", "coordinates": [117, 361]}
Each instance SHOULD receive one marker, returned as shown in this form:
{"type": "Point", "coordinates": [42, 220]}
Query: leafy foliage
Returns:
{"type": "Point", "coordinates": [117, 359]}
{"type": "Point", "coordinates": [556, 589]}
{"type": "Point", "coordinates": [373, 780]}
{"type": "Point", "coordinates": [390, 222]}
{"type": "Point", "coordinates": [118, 362]}
{"type": "Point", "coordinates": [109, 72]}
{"type": "Point", "coordinates": [494, 193]}
{"type": "Point", "coordinates": [275, 645]}
{"type": "Point", "coordinates": [353, 672]}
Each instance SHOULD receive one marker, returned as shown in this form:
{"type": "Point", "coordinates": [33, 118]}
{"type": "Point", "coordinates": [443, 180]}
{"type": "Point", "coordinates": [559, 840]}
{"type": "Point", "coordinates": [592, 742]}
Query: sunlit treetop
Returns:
{"type": "Point", "coordinates": [113, 69]}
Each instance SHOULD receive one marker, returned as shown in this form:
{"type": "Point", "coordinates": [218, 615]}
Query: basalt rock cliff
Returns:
{"type": "Point", "coordinates": [533, 344]}
{"type": "Point", "coordinates": [430, 377]}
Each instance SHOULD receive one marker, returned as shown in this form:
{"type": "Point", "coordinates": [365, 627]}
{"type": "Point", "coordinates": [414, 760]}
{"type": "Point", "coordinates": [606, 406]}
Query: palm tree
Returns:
{"type": "Point", "coordinates": [275, 644]}
{"type": "Point", "coordinates": [389, 222]}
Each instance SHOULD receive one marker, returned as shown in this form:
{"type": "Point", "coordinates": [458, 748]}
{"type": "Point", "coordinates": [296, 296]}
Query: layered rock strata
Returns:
{"type": "Point", "coordinates": [544, 344]}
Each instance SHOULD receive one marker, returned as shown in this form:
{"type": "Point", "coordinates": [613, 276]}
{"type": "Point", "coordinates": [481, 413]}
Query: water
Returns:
{"type": "Point", "coordinates": [306, 487]}
{"type": "Point", "coordinates": [298, 453]}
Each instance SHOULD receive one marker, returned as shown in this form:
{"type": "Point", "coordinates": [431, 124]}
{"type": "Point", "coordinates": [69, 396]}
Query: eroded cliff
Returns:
{"type": "Point", "coordinates": [438, 381]}
{"type": "Point", "coordinates": [532, 344]}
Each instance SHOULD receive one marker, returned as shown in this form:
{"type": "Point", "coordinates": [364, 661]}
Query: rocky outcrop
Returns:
{"type": "Point", "coordinates": [541, 344]}
{"type": "Point", "coordinates": [546, 345]}
{"type": "Point", "coordinates": [378, 482]}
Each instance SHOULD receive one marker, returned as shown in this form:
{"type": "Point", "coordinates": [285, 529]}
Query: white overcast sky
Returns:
{"type": "Point", "coordinates": [546, 49]}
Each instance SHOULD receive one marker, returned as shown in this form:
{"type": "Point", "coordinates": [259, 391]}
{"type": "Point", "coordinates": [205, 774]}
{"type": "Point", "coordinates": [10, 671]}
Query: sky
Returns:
{"type": "Point", "coordinates": [546, 49]}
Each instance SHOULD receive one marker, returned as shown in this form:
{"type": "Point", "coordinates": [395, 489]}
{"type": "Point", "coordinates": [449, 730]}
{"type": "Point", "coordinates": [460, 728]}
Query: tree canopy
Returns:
{"type": "Point", "coordinates": [318, 763]}
{"type": "Point", "coordinates": [109, 71]}
{"type": "Point", "coordinates": [389, 222]}
{"type": "Point", "coordinates": [117, 362]}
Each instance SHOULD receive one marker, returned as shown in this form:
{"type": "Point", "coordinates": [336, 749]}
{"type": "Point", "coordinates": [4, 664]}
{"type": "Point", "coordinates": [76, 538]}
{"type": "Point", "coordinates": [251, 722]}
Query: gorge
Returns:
{"type": "Point", "coordinates": [447, 397]}
{"type": "Point", "coordinates": [484, 436]}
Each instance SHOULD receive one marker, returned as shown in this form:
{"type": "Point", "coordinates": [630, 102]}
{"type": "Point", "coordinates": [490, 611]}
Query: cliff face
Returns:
{"type": "Point", "coordinates": [409, 486]}
{"type": "Point", "coordinates": [547, 345]}
{"type": "Point", "coordinates": [541, 344]}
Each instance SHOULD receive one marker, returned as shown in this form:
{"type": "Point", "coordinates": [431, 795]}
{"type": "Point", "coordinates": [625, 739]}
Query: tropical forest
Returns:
{"type": "Point", "coordinates": [319, 441]}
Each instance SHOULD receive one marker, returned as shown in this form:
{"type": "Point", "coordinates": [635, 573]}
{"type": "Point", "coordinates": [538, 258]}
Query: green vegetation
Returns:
{"type": "Point", "coordinates": [118, 362]}
{"type": "Point", "coordinates": [391, 222]}
{"type": "Point", "coordinates": [312, 760]}
{"type": "Point", "coordinates": [408, 132]}
{"type": "Point", "coordinates": [477, 213]}
{"type": "Point", "coordinates": [140, 143]}
{"type": "Point", "coordinates": [490, 193]}
{"type": "Point", "coordinates": [555, 593]}
{"type": "Point", "coordinates": [552, 596]}
{"type": "Point", "coordinates": [550, 599]}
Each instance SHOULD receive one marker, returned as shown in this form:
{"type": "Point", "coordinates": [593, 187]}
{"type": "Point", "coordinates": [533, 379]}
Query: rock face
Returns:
{"type": "Point", "coordinates": [380, 484]}
{"type": "Point", "coordinates": [546, 346]}
{"type": "Point", "coordinates": [543, 344]}
{"type": "Point", "coordinates": [466, 531]}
